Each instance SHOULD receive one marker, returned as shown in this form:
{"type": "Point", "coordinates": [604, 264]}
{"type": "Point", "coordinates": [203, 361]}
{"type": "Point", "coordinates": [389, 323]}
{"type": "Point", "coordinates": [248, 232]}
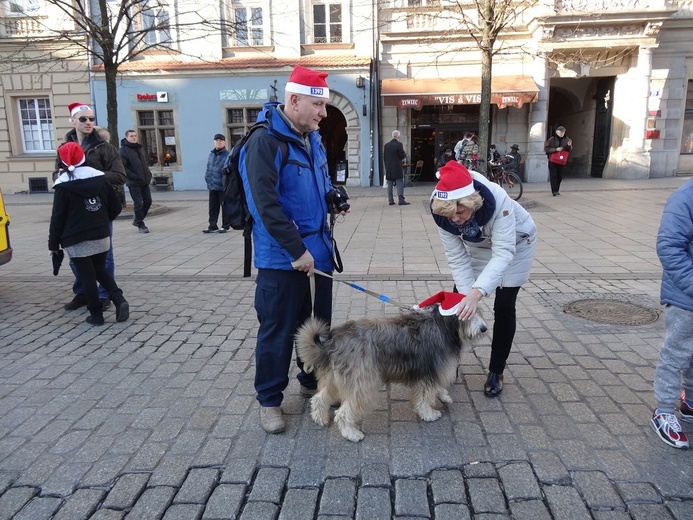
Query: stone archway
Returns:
{"type": "Point", "coordinates": [352, 126]}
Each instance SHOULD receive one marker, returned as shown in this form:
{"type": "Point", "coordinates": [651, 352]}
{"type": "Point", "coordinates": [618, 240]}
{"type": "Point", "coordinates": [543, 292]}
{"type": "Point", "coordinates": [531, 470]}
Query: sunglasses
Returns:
{"type": "Point", "coordinates": [84, 119]}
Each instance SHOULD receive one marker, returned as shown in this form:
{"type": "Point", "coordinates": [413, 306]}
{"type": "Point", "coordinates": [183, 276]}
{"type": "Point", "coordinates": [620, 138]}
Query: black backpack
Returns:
{"type": "Point", "coordinates": [234, 206]}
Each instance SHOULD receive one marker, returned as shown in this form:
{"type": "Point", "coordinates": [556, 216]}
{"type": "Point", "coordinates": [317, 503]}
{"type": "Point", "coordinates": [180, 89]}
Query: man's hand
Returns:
{"type": "Point", "coordinates": [304, 263]}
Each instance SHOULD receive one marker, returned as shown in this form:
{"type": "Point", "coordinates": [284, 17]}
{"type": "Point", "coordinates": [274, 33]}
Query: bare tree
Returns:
{"type": "Point", "coordinates": [111, 33]}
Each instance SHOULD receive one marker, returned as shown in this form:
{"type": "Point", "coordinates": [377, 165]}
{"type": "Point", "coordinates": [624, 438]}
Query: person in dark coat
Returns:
{"type": "Point", "coordinates": [139, 178]}
{"type": "Point", "coordinates": [445, 156]}
{"type": "Point", "coordinates": [558, 142]}
{"type": "Point", "coordinates": [393, 155]}
{"type": "Point", "coordinates": [215, 184]}
{"type": "Point", "coordinates": [84, 205]}
{"type": "Point", "coordinates": [103, 156]}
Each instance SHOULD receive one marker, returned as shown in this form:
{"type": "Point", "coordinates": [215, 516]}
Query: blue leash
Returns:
{"type": "Point", "coordinates": [381, 297]}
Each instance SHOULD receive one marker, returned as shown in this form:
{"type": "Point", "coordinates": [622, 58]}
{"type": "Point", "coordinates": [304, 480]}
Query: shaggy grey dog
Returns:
{"type": "Point", "coordinates": [419, 349]}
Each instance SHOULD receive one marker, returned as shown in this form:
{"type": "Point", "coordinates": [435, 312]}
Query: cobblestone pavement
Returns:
{"type": "Point", "coordinates": [156, 417]}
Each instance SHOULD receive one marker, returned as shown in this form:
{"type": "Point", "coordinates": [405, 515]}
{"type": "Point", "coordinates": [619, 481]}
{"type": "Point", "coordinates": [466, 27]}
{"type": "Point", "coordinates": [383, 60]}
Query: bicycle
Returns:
{"type": "Point", "coordinates": [506, 178]}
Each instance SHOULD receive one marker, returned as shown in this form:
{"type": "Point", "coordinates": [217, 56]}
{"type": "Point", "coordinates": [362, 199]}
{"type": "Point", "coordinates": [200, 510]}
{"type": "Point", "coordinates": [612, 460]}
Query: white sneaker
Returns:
{"type": "Point", "coordinates": [272, 419]}
{"type": "Point", "coordinates": [667, 427]}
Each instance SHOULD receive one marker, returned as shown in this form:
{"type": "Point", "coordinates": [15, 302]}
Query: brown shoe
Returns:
{"type": "Point", "coordinates": [272, 419]}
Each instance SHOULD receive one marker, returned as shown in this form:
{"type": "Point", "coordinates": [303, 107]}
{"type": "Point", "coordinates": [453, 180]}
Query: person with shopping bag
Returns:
{"type": "Point", "coordinates": [557, 149]}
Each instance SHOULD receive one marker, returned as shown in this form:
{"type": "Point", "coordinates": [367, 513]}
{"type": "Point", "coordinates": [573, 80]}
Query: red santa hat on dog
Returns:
{"type": "Point", "coordinates": [309, 82]}
{"type": "Point", "coordinates": [449, 302]}
{"type": "Point", "coordinates": [455, 182]}
{"type": "Point", "coordinates": [71, 154]}
{"type": "Point", "coordinates": [77, 107]}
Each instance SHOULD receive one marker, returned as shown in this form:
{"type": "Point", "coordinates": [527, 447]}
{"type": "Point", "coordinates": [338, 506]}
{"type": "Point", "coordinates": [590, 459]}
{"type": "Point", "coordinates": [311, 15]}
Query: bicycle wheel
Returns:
{"type": "Point", "coordinates": [512, 185]}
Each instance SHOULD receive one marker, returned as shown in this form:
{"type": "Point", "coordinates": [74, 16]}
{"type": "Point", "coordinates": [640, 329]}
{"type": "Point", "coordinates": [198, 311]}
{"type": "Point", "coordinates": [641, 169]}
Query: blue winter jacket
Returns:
{"type": "Point", "coordinates": [675, 248]}
{"type": "Point", "coordinates": [213, 175]}
{"type": "Point", "coordinates": [286, 195]}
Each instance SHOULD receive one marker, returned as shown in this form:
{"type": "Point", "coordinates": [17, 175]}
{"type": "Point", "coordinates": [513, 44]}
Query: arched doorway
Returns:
{"type": "Point", "coordinates": [334, 138]}
{"type": "Point", "coordinates": [341, 135]}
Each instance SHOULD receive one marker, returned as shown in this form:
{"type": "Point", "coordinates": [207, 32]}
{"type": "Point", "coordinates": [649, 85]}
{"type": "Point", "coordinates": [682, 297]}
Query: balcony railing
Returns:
{"type": "Point", "coordinates": [22, 27]}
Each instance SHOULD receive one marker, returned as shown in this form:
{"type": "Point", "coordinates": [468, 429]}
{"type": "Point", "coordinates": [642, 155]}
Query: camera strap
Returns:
{"type": "Point", "coordinates": [336, 258]}
{"type": "Point", "coordinates": [381, 297]}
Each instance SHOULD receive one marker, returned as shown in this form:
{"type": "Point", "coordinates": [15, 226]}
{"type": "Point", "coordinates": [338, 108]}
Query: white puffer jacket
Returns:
{"type": "Point", "coordinates": [504, 257]}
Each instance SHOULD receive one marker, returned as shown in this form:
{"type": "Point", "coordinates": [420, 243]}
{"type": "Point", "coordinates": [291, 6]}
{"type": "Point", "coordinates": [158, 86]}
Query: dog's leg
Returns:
{"type": "Point", "coordinates": [444, 396]}
{"type": "Point", "coordinates": [320, 403]}
{"type": "Point", "coordinates": [344, 417]}
{"type": "Point", "coordinates": [423, 395]}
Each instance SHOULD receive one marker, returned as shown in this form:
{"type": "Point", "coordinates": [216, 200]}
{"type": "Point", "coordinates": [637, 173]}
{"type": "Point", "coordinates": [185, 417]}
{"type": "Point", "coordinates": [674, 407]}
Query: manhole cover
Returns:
{"type": "Point", "coordinates": [612, 312]}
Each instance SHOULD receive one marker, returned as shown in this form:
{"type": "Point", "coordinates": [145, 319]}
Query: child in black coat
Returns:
{"type": "Point", "coordinates": [83, 206]}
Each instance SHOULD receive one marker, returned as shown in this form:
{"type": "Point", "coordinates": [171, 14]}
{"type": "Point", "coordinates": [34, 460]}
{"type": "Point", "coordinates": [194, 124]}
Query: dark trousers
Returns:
{"type": "Point", "coordinates": [504, 325]}
{"type": "Point", "coordinates": [400, 190]}
{"type": "Point", "coordinates": [142, 201]}
{"type": "Point", "coordinates": [77, 287]}
{"type": "Point", "coordinates": [215, 199]}
{"type": "Point", "coordinates": [283, 303]}
{"type": "Point", "coordinates": [555, 176]}
{"type": "Point", "coordinates": [91, 269]}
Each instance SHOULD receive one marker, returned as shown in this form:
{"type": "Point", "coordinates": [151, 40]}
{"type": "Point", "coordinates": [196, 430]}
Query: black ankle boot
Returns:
{"type": "Point", "coordinates": [121, 305]}
{"type": "Point", "coordinates": [95, 318]}
{"type": "Point", "coordinates": [494, 385]}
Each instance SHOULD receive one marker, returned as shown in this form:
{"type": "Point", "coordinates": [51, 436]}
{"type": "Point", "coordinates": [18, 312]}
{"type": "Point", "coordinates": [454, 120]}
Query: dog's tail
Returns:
{"type": "Point", "coordinates": [310, 339]}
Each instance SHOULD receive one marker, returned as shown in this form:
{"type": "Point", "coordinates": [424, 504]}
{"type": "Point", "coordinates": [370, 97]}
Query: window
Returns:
{"type": "Point", "coordinates": [327, 23]}
{"type": "Point", "coordinates": [22, 7]}
{"type": "Point", "coordinates": [239, 121]}
{"type": "Point", "coordinates": [687, 134]}
{"type": "Point", "coordinates": [248, 27]}
{"type": "Point", "coordinates": [155, 21]}
{"type": "Point", "coordinates": [157, 133]}
{"type": "Point", "coordinates": [36, 125]}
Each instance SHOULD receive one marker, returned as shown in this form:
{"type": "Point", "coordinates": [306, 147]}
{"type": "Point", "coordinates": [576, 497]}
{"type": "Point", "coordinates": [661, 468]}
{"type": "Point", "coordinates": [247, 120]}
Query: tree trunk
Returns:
{"type": "Point", "coordinates": [111, 71]}
{"type": "Point", "coordinates": [486, 64]}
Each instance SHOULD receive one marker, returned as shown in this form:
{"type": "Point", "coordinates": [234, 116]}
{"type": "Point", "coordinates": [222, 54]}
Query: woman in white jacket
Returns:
{"type": "Point", "coordinates": [489, 241]}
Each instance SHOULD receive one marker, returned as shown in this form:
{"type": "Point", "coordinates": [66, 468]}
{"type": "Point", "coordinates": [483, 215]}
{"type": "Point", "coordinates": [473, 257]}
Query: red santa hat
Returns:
{"type": "Point", "coordinates": [455, 182]}
{"type": "Point", "coordinates": [71, 154]}
{"type": "Point", "coordinates": [449, 302]}
{"type": "Point", "coordinates": [77, 107]}
{"type": "Point", "coordinates": [309, 82]}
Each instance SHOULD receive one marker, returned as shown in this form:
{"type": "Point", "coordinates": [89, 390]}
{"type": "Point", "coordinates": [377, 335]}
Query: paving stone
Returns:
{"type": "Point", "coordinates": [549, 468]}
{"type": "Point", "coordinates": [39, 508]}
{"type": "Point", "coordinates": [153, 503]}
{"type": "Point", "coordinates": [485, 496]}
{"type": "Point", "coordinates": [126, 491]}
{"type": "Point", "coordinates": [108, 514]}
{"type": "Point", "coordinates": [529, 510]}
{"type": "Point", "coordinates": [81, 504]}
{"type": "Point", "coordinates": [565, 503]}
{"type": "Point", "coordinates": [375, 475]}
{"type": "Point", "coordinates": [447, 486]}
{"type": "Point", "coordinates": [269, 485]}
{"type": "Point", "coordinates": [299, 504]}
{"type": "Point", "coordinates": [597, 491]}
{"type": "Point", "coordinates": [373, 504]}
{"type": "Point", "coordinates": [411, 498]}
{"type": "Point", "coordinates": [184, 511]}
{"type": "Point", "coordinates": [198, 486]}
{"type": "Point", "coordinates": [338, 497]}
{"type": "Point", "coordinates": [14, 499]}
{"type": "Point", "coordinates": [259, 511]}
{"type": "Point", "coordinates": [519, 482]}
{"type": "Point", "coordinates": [452, 512]}
{"type": "Point", "coordinates": [225, 502]}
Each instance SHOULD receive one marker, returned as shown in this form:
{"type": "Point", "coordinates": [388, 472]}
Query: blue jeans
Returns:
{"type": "Point", "coordinates": [282, 303]}
{"type": "Point", "coordinates": [110, 269]}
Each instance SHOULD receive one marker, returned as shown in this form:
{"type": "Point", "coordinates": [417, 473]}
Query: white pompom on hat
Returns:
{"type": "Point", "coordinates": [77, 107]}
{"type": "Point", "coordinates": [309, 82]}
{"type": "Point", "coordinates": [72, 155]}
{"type": "Point", "coordinates": [455, 182]}
{"type": "Point", "coordinates": [449, 302]}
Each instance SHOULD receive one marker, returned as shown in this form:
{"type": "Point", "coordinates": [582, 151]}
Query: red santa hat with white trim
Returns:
{"type": "Point", "coordinates": [455, 182]}
{"type": "Point", "coordinates": [309, 82]}
{"type": "Point", "coordinates": [77, 107]}
{"type": "Point", "coordinates": [449, 302]}
{"type": "Point", "coordinates": [71, 154]}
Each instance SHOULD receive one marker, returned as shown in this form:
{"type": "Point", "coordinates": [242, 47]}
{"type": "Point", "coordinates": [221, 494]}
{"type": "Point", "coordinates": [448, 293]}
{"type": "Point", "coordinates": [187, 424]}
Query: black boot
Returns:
{"type": "Point", "coordinates": [494, 385]}
{"type": "Point", "coordinates": [96, 317]}
{"type": "Point", "coordinates": [121, 305]}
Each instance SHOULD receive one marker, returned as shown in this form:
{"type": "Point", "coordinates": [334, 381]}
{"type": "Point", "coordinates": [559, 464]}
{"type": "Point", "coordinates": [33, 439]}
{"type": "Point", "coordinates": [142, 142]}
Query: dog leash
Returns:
{"type": "Point", "coordinates": [381, 297]}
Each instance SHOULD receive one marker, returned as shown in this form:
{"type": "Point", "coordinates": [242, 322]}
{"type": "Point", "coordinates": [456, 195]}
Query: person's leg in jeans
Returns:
{"type": "Point", "coordinates": [390, 196]}
{"type": "Point", "coordinates": [400, 190]}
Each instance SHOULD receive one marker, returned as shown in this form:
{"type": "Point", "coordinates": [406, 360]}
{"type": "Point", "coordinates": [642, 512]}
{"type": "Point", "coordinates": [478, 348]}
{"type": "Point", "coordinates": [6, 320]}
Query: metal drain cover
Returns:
{"type": "Point", "coordinates": [612, 312]}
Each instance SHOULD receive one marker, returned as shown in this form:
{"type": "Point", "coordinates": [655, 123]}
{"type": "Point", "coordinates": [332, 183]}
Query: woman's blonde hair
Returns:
{"type": "Point", "coordinates": [447, 208]}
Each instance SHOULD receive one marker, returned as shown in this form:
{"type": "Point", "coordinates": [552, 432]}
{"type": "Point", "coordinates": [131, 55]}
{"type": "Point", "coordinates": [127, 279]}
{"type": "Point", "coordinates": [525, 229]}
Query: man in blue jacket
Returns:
{"type": "Point", "coordinates": [215, 185]}
{"type": "Point", "coordinates": [286, 185]}
{"type": "Point", "coordinates": [675, 251]}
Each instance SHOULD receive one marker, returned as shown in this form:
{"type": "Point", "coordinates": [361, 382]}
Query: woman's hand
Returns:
{"type": "Point", "coordinates": [468, 305]}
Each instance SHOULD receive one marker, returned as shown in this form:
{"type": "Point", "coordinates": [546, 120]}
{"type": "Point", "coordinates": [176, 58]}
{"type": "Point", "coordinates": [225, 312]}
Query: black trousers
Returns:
{"type": "Point", "coordinates": [91, 269]}
{"type": "Point", "coordinates": [142, 201]}
{"type": "Point", "coordinates": [215, 199]}
{"type": "Point", "coordinates": [555, 176]}
{"type": "Point", "coordinates": [504, 326]}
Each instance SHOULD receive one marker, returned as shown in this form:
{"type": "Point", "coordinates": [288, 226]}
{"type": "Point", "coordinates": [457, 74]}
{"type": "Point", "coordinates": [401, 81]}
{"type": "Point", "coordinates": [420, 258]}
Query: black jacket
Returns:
{"type": "Point", "coordinates": [99, 154]}
{"type": "Point", "coordinates": [135, 163]}
{"type": "Point", "coordinates": [393, 154]}
{"type": "Point", "coordinates": [82, 209]}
